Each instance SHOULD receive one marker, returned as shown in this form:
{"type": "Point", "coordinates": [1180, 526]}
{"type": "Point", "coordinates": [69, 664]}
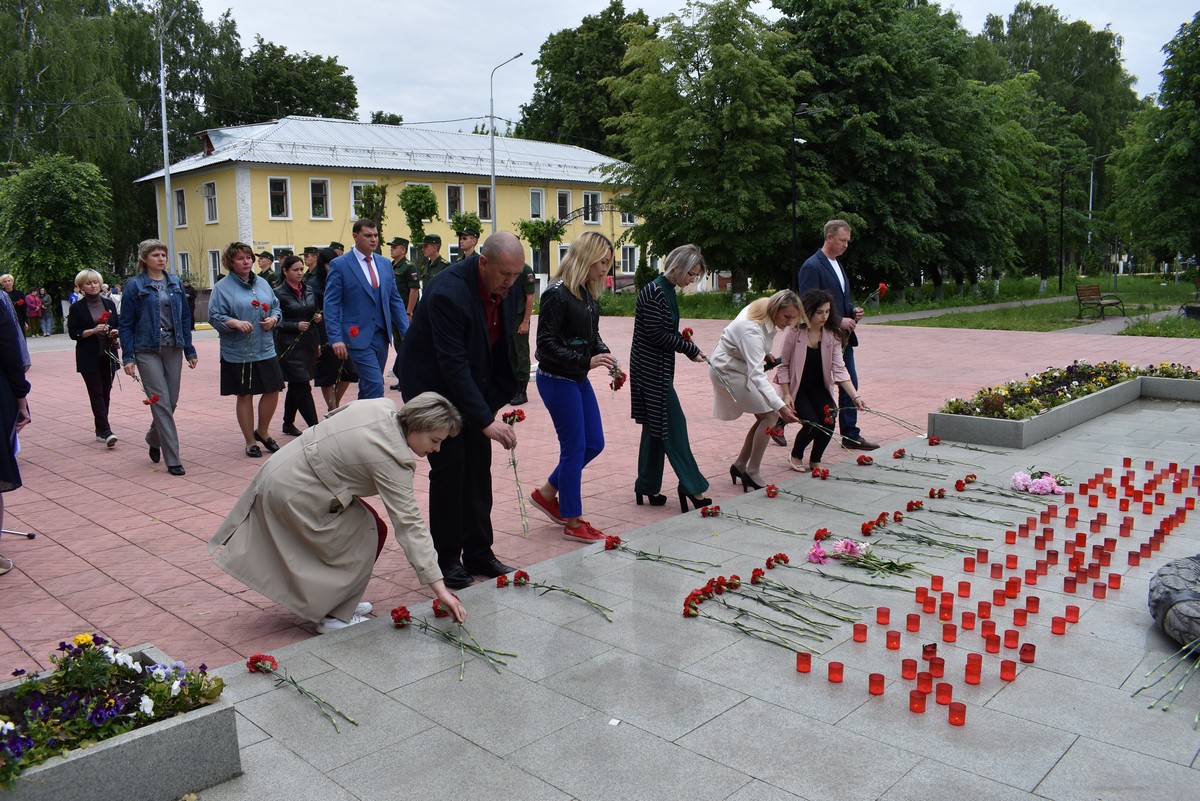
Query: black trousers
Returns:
{"type": "Point", "coordinates": [460, 499]}
{"type": "Point", "coordinates": [810, 406]}
{"type": "Point", "coordinates": [299, 399]}
{"type": "Point", "coordinates": [99, 387]}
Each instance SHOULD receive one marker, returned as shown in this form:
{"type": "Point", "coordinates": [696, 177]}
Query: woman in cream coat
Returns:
{"type": "Point", "coordinates": [300, 533]}
{"type": "Point", "coordinates": [809, 387]}
{"type": "Point", "coordinates": [738, 371]}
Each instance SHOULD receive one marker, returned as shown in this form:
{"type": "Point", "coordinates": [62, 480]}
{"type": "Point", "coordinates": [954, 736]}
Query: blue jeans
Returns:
{"type": "Point", "coordinates": [848, 416]}
{"type": "Point", "coordinates": [572, 406]}
{"type": "Point", "coordinates": [47, 325]}
{"type": "Point", "coordinates": [370, 363]}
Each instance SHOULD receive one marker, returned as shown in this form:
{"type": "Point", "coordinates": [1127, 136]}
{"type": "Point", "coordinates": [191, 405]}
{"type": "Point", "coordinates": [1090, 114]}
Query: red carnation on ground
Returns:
{"type": "Point", "coordinates": [401, 617]}
{"type": "Point", "coordinates": [867, 528]}
{"type": "Point", "coordinates": [258, 662]}
{"type": "Point", "coordinates": [772, 491]}
{"type": "Point", "coordinates": [960, 485]}
{"type": "Point", "coordinates": [971, 478]}
{"type": "Point", "coordinates": [612, 543]}
{"type": "Point", "coordinates": [757, 575]}
{"type": "Point", "coordinates": [898, 453]}
{"type": "Point", "coordinates": [710, 511]}
{"type": "Point", "coordinates": [502, 580]}
{"type": "Point", "coordinates": [935, 440]}
{"type": "Point", "coordinates": [439, 610]}
{"type": "Point", "coordinates": [821, 534]}
{"type": "Point", "coordinates": [520, 578]}
{"type": "Point", "coordinates": [865, 460]}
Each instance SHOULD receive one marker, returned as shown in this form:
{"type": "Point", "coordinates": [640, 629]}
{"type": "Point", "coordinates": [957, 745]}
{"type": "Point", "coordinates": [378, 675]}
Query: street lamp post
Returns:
{"type": "Point", "coordinates": [802, 110]}
{"type": "Point", "coordinates": [162, 99]}
{"type": "Point", "coordinates": [492, 130]}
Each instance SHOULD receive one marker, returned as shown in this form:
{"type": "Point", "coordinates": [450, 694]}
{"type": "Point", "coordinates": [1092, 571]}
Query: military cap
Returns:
{"type": "Point", "coordinates": [398, 242]}
{"type": "Point", "coordinates": [469, 232]}
{"type": "Point", "coordinates": [337, 246]}
{"type": "Point", "coordinates": [311, 249]}
{"type": "Point", "coordinates": [432, 239]}
{"type": "Point", "coordinates": [266, 255]}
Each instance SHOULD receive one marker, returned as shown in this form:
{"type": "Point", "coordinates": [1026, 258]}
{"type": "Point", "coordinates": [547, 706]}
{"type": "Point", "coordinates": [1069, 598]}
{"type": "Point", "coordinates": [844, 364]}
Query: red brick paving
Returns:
{"type": "Point", "coordinates": [121, 545]}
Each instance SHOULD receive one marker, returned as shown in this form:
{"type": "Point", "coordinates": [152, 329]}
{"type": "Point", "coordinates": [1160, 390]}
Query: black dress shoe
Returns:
{"type": "Point", "coordinates": [860, 445]}
{"type": "Point", "coordinates": [176, 469]}
{"type": "Point", "coordinates": [155, 454]}
{"type": "Point", "coordinates": [268, 442]}
{"type": "Point", "coordinates": [520, 399]}
{"type": "Point", "coordinates": [395, 387]}
{"type": "Point", "coordinates": [491, 568]}
{"type": "Point", "coordinates": [291, 430]}
{"type": "Point", "coordinates": [456, 577]}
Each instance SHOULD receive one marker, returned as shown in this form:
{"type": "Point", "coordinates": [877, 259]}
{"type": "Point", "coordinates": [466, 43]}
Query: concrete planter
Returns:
{"type": "Point", "coordinates": [1024, 433]}
{"type": "Point", "coordinates": [159, 762]}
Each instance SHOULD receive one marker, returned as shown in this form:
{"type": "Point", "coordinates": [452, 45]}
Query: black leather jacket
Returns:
{"type": "Point", "coordinates": [568, 332]}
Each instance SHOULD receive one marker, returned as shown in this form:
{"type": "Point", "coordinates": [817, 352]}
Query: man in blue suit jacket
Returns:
{"type": "Point", "coordinates": [361, 305]}
{"type": "Point", "coordinates": [458, 347]}
{"type": "Point", "coordinates": [822, 271]}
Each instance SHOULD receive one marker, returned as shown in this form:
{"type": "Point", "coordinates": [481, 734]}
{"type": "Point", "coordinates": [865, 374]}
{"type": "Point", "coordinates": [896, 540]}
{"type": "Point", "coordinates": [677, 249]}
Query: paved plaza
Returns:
{"type": "Point", "coordinates": [652, 705]}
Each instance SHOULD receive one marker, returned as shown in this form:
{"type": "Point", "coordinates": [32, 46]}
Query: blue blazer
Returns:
{"type": "Point", "coordinates": [351, 301]}
{"type": "Point", "coordinates": [817, 273]}
{"type": "Point", "coordinates": [447, 350]}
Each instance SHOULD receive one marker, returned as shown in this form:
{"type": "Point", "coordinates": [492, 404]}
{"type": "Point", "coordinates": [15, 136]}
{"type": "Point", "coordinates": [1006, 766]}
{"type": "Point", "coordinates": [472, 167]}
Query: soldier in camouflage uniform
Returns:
{"type": "Point", "coordinates": [434, 264]}
{"type": "Point", "coordinates": [408, 284]}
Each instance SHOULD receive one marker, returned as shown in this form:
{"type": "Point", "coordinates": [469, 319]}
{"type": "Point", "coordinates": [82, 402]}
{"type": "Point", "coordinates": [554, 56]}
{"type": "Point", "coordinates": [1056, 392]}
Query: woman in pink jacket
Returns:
{"type": "Point", "coordinates": [811, 372]}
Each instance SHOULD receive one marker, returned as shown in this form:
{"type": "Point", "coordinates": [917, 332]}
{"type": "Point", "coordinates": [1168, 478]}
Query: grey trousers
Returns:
{"type": "Point", "coordinates": [160, 371]}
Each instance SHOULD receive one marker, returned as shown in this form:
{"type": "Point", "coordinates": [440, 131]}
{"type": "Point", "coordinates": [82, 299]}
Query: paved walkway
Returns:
{"type": "Point", "coordinates": [121, 551]}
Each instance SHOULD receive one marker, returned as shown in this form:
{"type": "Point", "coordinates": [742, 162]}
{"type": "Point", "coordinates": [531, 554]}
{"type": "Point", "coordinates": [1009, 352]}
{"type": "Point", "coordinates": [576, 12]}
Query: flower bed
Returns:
{"type": "Point", "coordinates": [129, 724]}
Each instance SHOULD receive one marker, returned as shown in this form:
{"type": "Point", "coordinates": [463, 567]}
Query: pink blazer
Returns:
{"type": "Point", "coordinates": [794, 349]}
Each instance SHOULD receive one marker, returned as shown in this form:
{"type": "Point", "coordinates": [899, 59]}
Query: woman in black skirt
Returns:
{"type": "Point", "coordinates": [333, 375]}
{"type": "Point", "coordinates": [243, 309]}
{"type": "Point", "coordinates": [94, 325]}
{"type": "Point", "coordinates": [296, 344]}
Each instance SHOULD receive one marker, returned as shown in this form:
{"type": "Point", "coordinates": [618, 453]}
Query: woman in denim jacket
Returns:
{"type": "Point", "coordinates": [156, 336]}
{"type": "Point", "coordinates": [243, 309]}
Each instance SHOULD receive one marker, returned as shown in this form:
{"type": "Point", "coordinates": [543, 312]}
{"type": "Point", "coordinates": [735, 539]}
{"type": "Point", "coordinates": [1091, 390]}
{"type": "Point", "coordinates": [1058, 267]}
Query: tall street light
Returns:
{"type": "Point", "coordinates": [492, 130]}
{"type": "Point", "coordinates": [802, 110]}
{"type": "Point", "coordinates": [163, 24]}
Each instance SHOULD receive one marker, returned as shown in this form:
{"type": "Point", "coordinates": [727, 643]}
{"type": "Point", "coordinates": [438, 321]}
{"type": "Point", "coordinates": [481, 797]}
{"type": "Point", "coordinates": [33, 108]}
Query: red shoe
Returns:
{"type": "Point", "coordinates": [583, 533]}
{"type": "Point", "coordinates": [548, 508]}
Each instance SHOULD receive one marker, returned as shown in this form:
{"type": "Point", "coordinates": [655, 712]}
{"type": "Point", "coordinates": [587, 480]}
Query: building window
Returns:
{"type": "Point", "coordinates": [535, 260]}
{"type": "Point", "coordinates": [279, 191]}
{"type": "Point", "coordinates": [180, 208]}
{"type": "Point", "coordinates": [214, 266]}
{"type": "Point", "coordinates": [318, 199]}
{"type": "Point", "coordinates": [484, 196]}
{"type": "Point", "coordinates": [185, 265]}
{"type": "Point", "coordinates": [562, 253]}
{"type": "Point", "coordinates": [537, 204]}
{"type": "Point", "coordinates": [629, 258]}
{"type": "Point", "coordinates": [210, 202]}
{"type": "Point", "coordinates": [628, 217]}
{"type": "Point", "coordinates": [564, 204]}
{"type": "Point", "coordinates": [454, 199]}
{"type": "Point", "coordinates": [591, 208]}
{"type": "Point", "coordinates": [356, 188]}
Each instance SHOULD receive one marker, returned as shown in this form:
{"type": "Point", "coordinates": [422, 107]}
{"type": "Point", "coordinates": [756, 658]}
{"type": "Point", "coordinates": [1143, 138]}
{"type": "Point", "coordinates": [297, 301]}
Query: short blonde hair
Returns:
{"type": "Point", "coordinates": [430, 411]}
{"type": "Point", "coordinates": [764, 309]}
{"type": "Point", "coordinates": [684, 259]}
{"type": "Point", "coordinates": [584, 252]}
{"type": "Point", "coordinates": [87, 275]}
{"type": "Point", "coordinates": [146, 247]}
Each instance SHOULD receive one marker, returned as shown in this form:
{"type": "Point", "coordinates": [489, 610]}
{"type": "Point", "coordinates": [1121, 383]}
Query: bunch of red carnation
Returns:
{"type": "Point", "coordinates": [899, 453]}
{"type": "Point", "coordinates": [710, 511]}
{"type": "Point", "coordinates": [865, 460]}
{"type": "Point", "coordinates": [777, 559]}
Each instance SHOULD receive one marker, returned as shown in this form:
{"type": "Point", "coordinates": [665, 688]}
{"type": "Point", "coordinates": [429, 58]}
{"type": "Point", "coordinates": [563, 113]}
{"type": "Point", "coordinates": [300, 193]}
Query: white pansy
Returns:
{"type": "Point", "coordinates": [175, 687]}
{"type": "Point", "coordinates": [6, 727]}
{"type": "Point", "coordinates": [146, 707]}
{"type": "Point", "coordinates": [160, 673]}
{"type": "Point", "coordinates": [109, 653]}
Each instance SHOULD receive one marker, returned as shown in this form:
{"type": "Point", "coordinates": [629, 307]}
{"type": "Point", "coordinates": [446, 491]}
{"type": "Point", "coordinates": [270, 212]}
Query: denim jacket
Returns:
{"type": "Point", "coordinates": [140, 317]}
{"type": "Point", "coordinates": [233, 298]}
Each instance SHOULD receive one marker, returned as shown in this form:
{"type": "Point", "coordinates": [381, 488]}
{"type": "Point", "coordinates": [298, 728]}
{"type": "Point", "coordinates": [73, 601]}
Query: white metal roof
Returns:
{"type": "Point", "coordinates": [318, 142]}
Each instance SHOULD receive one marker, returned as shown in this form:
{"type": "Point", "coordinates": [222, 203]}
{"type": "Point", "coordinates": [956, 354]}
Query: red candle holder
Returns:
{"type": "Point", "coordinates": [1041, 567]}
{"type": "Point", "coordinates": [967, 622]}
{"type": "Point", "coordinates": [968, 564]}
{"type": "Point", "coordinates": [964, 589]}
{"type": "Point", "coordinates": [973, 674]}
{"type": "Point", "coordinates": [1093, 501]}
{"type": "Point", "coordinates": [981, 555]}
{"type": "Point", "coordinates": [946, 611]}
{"type": "Point", "coordinates": [1123, 505]}
{"type": "Point", "coordinates": [937, 667]}
{"type": "Point", "coordinates": [997, 570]}
{"type": "Point", "coordinates": [1008, 670]}
{"type": "Point", "coordinates": [1012, 587]}
{"type": "Point", "coordinates": [1012, 638]}
{"type": "Point", "coordinates": [1104, 559]}
{"type": "Point", "coordinates": [916, 701]}
{"type": "Point", "coordinates": [1010, 537]}
{"type": "Point", "coordinates": [913, 622]}
{"type": "Point", "coordinates": [836, 670]}
{"type": "Point", "coordinates": [908, 669]}
{"type": "Point", "coordinates": [920, 594]}
{"type": "Point", "coordinates": [1027, 653]}
{"type": "Point", "coordinates": [860, 632]}
{"type": "Point", "coordinates": [958, 713]}
{"type": "Point", "coordinates": [892, 640]}
{"type": "Point", "coordinates": [1058, 625]}
{"type": "Point", "coordinates": [987, 628]}
{"type": "Point", "coordinates": [1071, 613]}
{"type": "Point", "coordinates": [1189, 503]}
{"type": "Point", "coordinates": [1020, 617]}
{"type": "Point", "coordinates": [1100, 590]}
{"type": "Point", "coordinates": [875, 684]}
{"type": "Point", "coordinates": [1134, 558]}
{"type": "Point", "coordinates": [974, 659]}
{"type": "Point", "coordinates": [984, 610]}
{"type": "Point", "coordinates": [1010, 561]}
{"type": "Point", "coordinates": [991, 643]}
{"type": "Point", "coordinates": [1069, 584]}
{"type": "Point", "coordinates": [929, 605]}
{"type": "Point", "coordinates": [998, 598]}
{"type": "Point", "coordinates": [1114, 581]}
{"type": "Point", "coordinates": [1052, 557]}
{"type": "Point", "coordinates": [1093, 570]}
{"type": "Point", "coordinates": [1145, 549]}
{"type": "Point", "coordinates": [949, 632]}
{"type": "Point", "coordinates": [935, 583]}
{"type": "Point", "coordinates": [883, 615]}
{"type": "Point", "coordinates": [1031, 576]}
{"type": "Point", "coordinates": [1147, 508]}
{"type": "Point", "coordinates": [803, 662]}
{"type": "Point", "coordinates": [1039, 543]}
{"type": "Point", "coordinates": [925, 681]}
{"type": "Point", "coordinates": [943, 693]}
{"type": "Point", "coordinates": [1033, 604]}
{"type": "Point", "coordinates": [1160, 498]}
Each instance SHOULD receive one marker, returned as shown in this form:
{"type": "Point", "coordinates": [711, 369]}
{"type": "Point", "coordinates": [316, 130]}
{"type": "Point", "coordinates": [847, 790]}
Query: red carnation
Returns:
{"type": "Point", "coordinates": [735, 582]}
{"type": "Point", "coordinates": [867, 528]}
{"type": "Point", "coordinates": [353, 331]}
{"type": "Point", "coordinates": [401, 617]}
{"type": "Point", "coordinates": [821, 534]}
{"type": "Point", "coordinates": [757, 575]}
{"type": "Point", "coordinates": [439, 610]}
{"type": "Point", "coordinates": [502, 580]}
{"type": "Point", "coordinates": [898, 516]}
{"type": "Point", "coordinates": [971, 478]}
{"type": "Point", "coordinates": [772, 491]}
{"type": "Point", "coordinates": [612, 543]}
{"type": "Point", "coordinates": [865, 460]}
{"type": "Point", "coordinates": [255, 303]}
{"type": "Point", "coordinates": [828, 416]}
{"type": "Point", "coordinates": [782, 558]}
{"type": "Point", "coordinates": [104, 317]}
{"type": "Point", "coordinates": [770, 563]}
{"type": "Point", "coordinates": [935, 440]}
{"type": "Point", "coordinates": [898, 453]}
{"type": "Point", "coordinates": [687, 334]}
{"type": "Point", "coordinates": [520, 578]}
{"type": "Point", "coordinates": [960, 485]}
{"type": "Point", "coordinates": [883, 288]}
{"type": "Point", "coordinates": [710, 511]}
{"type": "Point", "coordinates": [941, 493]}
{"type": "Point", "coordinates": [262, 663]}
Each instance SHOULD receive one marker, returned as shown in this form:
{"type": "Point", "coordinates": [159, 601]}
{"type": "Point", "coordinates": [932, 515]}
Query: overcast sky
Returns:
{"type": "Point", "coordinates": [430, 61]}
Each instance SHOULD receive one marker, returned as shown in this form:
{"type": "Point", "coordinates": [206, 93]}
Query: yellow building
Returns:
{"type": "Point", "coordinates": [293, 182]}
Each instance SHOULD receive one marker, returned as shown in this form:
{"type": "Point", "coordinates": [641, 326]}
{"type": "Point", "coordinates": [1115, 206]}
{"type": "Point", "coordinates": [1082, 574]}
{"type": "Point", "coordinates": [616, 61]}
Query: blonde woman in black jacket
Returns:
{"type": "Point", "coordinates": [568, 348]}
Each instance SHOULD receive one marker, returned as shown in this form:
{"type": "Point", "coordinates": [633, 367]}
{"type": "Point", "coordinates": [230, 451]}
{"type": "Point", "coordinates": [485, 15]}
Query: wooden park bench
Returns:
{"type": "Point", "coordinates": [1090, 297]}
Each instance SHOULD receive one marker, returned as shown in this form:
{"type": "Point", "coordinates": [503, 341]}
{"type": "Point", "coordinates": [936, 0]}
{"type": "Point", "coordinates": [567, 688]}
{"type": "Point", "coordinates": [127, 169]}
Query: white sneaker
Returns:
{"type": "Point", "coordinates": [363, 608]}
{"type": "Point", "coordinates": [110, 440]}
{"type": "Point", "coordinates": [333, 624]}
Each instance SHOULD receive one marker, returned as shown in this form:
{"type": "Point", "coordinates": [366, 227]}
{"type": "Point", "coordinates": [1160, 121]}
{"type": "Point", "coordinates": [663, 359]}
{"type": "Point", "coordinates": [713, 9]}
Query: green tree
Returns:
{"type": "Point", "coordinates": [1158, 170]}
{"type": "Point", "coordinates": [386, 118]}
{"type": "Point", "coordinates": [539, 234]}
{"type": "Point", "coordinates": [54, 220]}
{"type": "Point", "coordinates": [571, 104]}
{"type": "Point", "coordinates": [707, 135]}
{"type": "Point", "coordinates": [372, 205]}
{"type": "Point", "coordinates": [278, 84]}
{"type": "Point", "coordinates": [465, 219]}
{"type": "Point", "coordinates": [419, 203]}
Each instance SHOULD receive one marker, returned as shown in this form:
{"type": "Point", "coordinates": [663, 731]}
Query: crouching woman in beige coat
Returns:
{"type": "Point", "coordinates": [300, 533]}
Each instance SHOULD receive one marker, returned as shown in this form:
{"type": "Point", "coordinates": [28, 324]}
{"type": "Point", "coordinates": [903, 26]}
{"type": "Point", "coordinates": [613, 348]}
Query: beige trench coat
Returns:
{"type": "Point", "coordinates": [738, 358]}
{"type": "Point", "coordinates": [296, 534]}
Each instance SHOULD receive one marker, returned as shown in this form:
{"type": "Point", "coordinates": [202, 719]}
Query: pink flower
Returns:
{"type": "Point", "coordinates": [1045, 485]}
{"type": "Point", "coordinates": [817, 555]}
{"type": "Point", "coordinates": [848, 548]}
{"type": "Point", "coordinates": [1020, 482]}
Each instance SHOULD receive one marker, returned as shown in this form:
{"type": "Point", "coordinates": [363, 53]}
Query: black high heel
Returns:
{"type": "Point", "coordinates": [734, 473]}
{"type": "Point", "coordinates": [696, 504]}
{"type": "Point", "coordinates": [655, 500]}
{"type": "Point", "coordinates": [748, 484]}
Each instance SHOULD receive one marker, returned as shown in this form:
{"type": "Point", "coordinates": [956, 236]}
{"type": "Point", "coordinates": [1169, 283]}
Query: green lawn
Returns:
{"type": "Point", "coordinates": [1041, 317]}
{"type": "Point", "coordinates": [1173, 326]}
